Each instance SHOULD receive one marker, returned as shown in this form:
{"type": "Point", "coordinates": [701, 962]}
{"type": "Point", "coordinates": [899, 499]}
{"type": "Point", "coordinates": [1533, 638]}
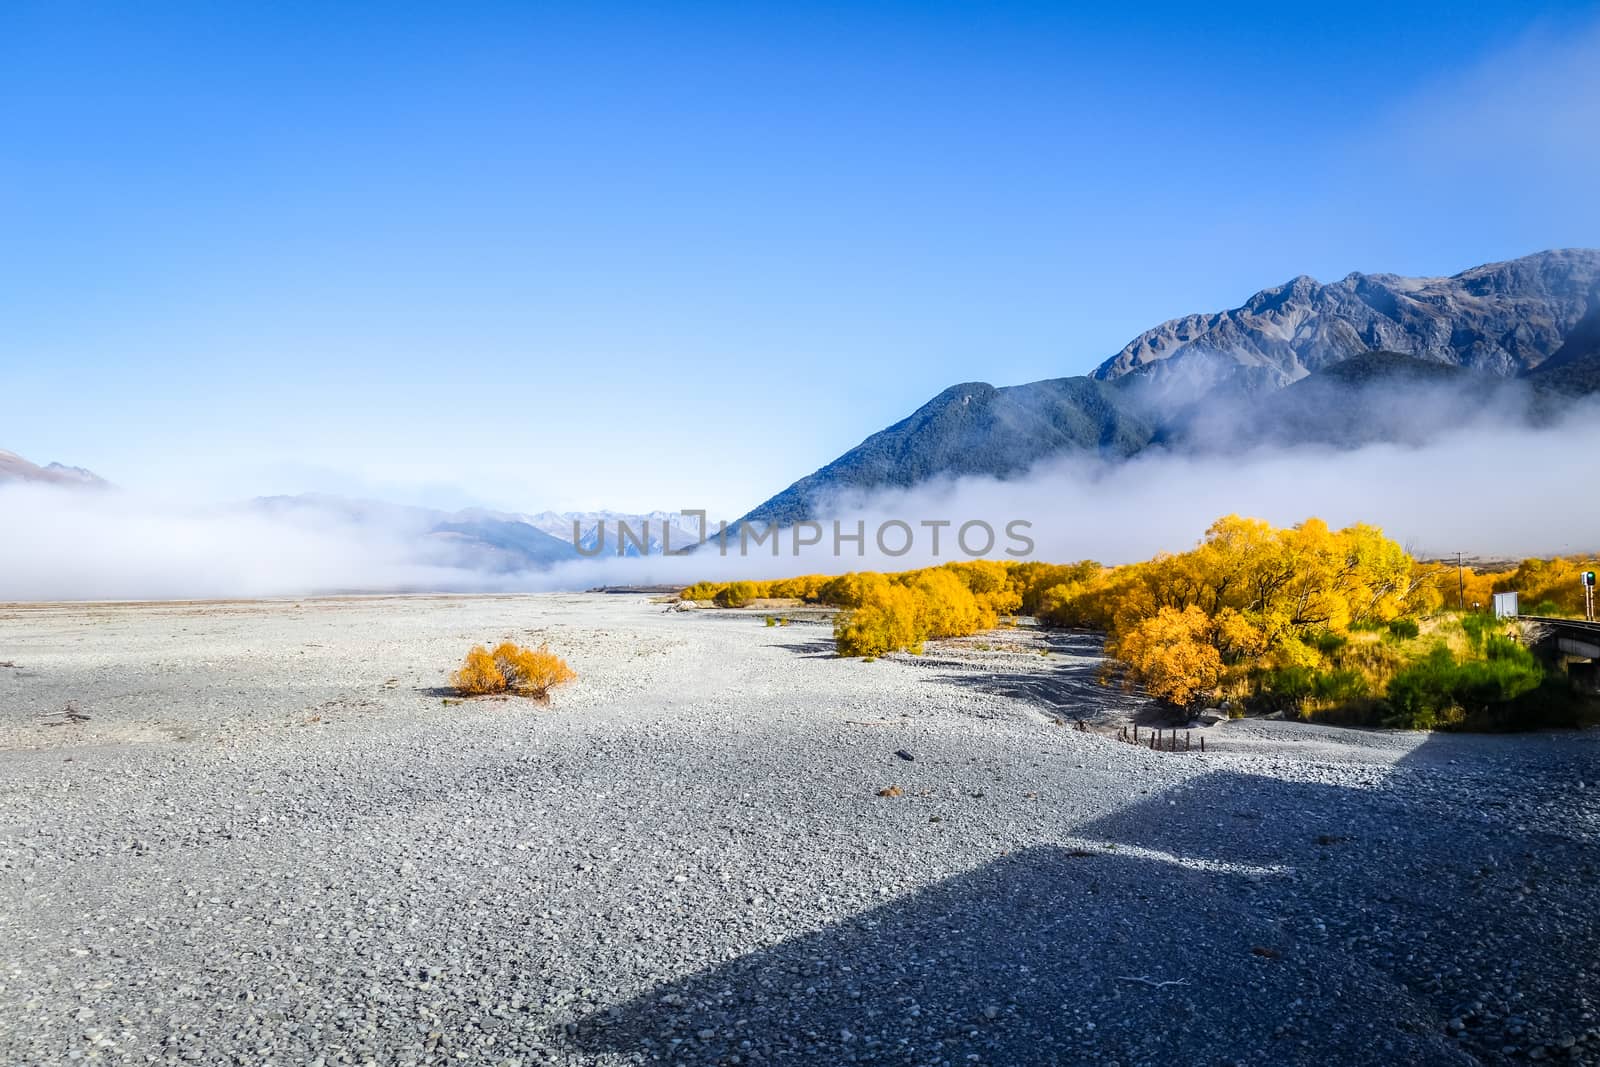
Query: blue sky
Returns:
{"type": "Point", "coordinates": [680, 255]}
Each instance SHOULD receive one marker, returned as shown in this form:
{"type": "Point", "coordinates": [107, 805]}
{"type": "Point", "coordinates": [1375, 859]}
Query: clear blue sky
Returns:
{"type": "Point", "coordinates": [678, 255]}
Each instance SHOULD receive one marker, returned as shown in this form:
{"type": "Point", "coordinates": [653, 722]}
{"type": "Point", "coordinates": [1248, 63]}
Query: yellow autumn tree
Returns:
{"type": "Point", "coordinates": [993, 585]}
{"type": "Point", "coordinates": [1376, 574]}
{"type": "Point", "coordinates": [846, 590]}
{"type": "Point", "coordinates": [1236, 636]}
{"type": "Point", "coordinates": [947, 606]}
{"type": "Point", "coordinates": [1048, 586]}
{"type": "Point", "coordinates": [889, 617]}
{"type": "Point", "coordinates": [1171, 655]}
{"type": "Point", "coordinates": [736, 594]}
{"type": "Point", "coordinates": [1541, 583]}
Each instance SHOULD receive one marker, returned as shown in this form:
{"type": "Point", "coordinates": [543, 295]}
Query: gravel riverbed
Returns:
{"type": "Point", "coordinates": [257, 833]}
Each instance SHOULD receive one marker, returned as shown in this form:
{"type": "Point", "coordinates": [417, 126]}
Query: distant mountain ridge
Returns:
{"type": "Point", "coordinates": [500, 542]}
{"type": "Point", "coordinates": [14, 468]}
{"type": "Point", "coordinates": [1267, 370]}
{"type": "Point", "coordinates": [600, 532]}
{"type": "Point", "coordinates": [487, 541]}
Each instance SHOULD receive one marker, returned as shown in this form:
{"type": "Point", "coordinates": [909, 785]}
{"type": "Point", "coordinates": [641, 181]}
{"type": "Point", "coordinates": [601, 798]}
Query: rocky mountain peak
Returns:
{"type": "Point", "coordinates": [1505, 318]}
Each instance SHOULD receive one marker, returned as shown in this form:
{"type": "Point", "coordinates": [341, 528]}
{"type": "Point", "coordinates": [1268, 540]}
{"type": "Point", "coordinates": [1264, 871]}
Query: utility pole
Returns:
{"type": "Point", "coordinates": [1461, 581]}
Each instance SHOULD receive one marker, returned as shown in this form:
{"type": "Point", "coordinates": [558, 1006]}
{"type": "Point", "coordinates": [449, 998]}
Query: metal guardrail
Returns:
{"type": "Point", "coordinates": [1567, 624]}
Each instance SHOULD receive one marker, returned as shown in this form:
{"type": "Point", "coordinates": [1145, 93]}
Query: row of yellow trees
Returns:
{"type": "Point", "coordinates": [893, 612]}
{"type": "Point", "coordinates": [1546, 586]}
{"type": "Point", "coordinates": [1306, 613]}
{"type": "Point", "coordinates": [1256, 585]}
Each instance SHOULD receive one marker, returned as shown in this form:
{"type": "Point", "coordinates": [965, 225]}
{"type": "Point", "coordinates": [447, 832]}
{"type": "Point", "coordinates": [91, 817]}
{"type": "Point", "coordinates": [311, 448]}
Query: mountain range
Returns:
{"type": "Point", "coordinates": [1369, 357]}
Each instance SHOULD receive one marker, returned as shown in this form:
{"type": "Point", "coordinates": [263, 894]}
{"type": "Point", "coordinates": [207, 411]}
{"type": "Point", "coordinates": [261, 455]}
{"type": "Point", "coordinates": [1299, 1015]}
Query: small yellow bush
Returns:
{"type": "Point", "coordinates": [479, 674]}
{"type": "Point", "coordinates": [530, 672]}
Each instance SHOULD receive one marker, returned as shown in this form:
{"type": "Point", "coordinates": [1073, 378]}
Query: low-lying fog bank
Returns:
{"type": "Point", "coordinates": [1489, 487]}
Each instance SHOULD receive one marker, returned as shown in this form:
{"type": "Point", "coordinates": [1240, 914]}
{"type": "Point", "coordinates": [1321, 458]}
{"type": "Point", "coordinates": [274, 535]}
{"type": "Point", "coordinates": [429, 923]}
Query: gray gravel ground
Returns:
{"type": "Point", "coordinates": [254, 833]}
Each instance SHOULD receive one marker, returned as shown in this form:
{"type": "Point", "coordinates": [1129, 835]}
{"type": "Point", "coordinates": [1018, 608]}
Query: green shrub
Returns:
{"type": "Point", "coordinates": [1289, 684]}
{"type": "Point", "coordinates": [1339, 686]}
{"type": "Point", "coordinates": [1279, 689]}
{"type": "Point", "coordinates": [1325, 641]}
{"type": "Point", "coordinates": [1438, 690]}
{"type": "Point", "coordinates": [1478, 627]}
{"type": "Point", "coordinates": [1419, 696]}
{"type": "Point", "coordinates": [1404, 629]}
{"type": "Point", "coordinates": [1291, 688]}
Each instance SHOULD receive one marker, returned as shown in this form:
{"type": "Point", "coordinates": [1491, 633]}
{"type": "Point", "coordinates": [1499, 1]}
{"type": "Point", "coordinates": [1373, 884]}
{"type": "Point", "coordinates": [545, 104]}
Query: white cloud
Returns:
{"type": "Point", "coordinates": [58, 544]}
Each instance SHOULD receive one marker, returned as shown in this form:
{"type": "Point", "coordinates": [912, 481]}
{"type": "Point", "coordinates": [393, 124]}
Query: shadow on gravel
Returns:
{"type": "Point", "coordinates": [1301, 923]}
{"type": "Point", "coordinates": [821, 648]}
{"type": "Point", "coordinates": [1066, 683]}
